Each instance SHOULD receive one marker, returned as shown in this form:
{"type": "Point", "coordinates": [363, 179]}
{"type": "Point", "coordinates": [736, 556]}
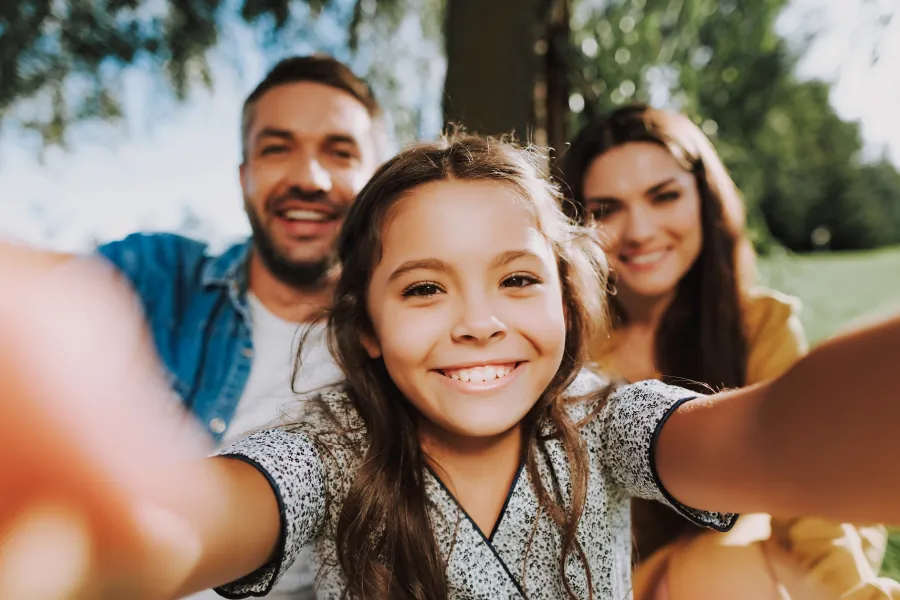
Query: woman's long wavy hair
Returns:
{"type": "Point", "coordinates": [385, 544]}
{"type": "Point", "coordinates": [700, 342]}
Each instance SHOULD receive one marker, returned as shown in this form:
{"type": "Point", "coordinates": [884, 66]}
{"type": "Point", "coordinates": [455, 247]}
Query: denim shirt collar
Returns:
{"type": "Point", "coordinates": [228, 268]}
{"type": "Point", "coordinates": [229, 271]}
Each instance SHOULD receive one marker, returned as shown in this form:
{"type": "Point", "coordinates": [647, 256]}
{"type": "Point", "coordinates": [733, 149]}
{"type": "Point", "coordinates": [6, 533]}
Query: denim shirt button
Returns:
{"type": "Point", "coordinates": [247, 352]}
{"type": "Point", "coordinates": [217, 425]}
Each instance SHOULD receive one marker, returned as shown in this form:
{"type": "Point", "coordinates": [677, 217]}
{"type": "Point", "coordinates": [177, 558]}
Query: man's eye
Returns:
{"type": "Point", "coordinates": [273, 150]}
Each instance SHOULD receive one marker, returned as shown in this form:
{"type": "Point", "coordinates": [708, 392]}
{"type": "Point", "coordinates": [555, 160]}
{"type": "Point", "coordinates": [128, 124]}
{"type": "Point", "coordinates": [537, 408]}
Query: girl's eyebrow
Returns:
{"type": "Point", "coordinates": [436, 264]}
{"type": "Point", "coordinates": [431, 264]}
{"type": "Point", "coordinates": [504, 258]}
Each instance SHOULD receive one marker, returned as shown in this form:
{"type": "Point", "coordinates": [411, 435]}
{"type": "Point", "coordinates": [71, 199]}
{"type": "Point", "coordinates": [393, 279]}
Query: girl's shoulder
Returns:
{"type": "Point", "coordinates": [336, 400]}
{"type": "Point", "coordinates": [584, 394]}
{"type": "Point", "coordinates": [591, 391]}
{"type": "Point", "coordinates": [331, 420]}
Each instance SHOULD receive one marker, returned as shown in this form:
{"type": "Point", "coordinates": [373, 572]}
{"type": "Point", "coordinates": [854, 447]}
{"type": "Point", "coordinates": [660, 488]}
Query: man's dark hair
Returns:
{"type": "Point", "coordinates": [316, 68]}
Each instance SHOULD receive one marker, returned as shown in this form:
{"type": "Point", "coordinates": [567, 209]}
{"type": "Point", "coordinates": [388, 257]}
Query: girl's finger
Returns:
{"type": "Point", "coordinates": [45, 555]}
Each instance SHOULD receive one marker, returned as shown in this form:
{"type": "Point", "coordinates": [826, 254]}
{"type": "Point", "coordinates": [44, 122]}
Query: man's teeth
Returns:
{"type": "Point", "coordinates": [304, 215]}
{"type": "Point", "coordinates": [481, 374]}
{"type": "Point", "coordinates": [644, 259]}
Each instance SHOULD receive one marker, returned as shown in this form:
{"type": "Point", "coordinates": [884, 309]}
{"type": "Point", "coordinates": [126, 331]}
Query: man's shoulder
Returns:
{"type": "Point", "coordinates": [154, 246]}
{"type": "Point", "coordinates": [171, 256]}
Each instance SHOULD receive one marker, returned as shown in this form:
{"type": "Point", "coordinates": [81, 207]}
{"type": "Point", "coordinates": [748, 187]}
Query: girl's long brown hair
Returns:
{"type": "Point", "coordinates": [701, 342]}
{"type": "Point", "coordinates": [384, 539]}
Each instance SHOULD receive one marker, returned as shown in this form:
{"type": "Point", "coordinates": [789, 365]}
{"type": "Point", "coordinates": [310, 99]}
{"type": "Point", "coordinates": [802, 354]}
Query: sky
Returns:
{"type": "Point", "coordinates": [169, 158]}
{"type": "Point", "coordinates": [862, 92]}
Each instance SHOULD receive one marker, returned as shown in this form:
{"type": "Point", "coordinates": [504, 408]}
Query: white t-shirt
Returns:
{"type": "Point", "coordinates": [269, 399]}
{"type": "Point", "coordinates": [269, 395]}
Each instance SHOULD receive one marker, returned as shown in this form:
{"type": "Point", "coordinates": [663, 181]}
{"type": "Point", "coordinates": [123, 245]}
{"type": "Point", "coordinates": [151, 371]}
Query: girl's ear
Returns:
{"type": "Point", "coordinates": [370, 343]}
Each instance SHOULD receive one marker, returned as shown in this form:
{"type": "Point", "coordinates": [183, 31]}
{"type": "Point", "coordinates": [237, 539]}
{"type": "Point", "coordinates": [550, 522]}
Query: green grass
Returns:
{"type": "Point", "coordinates": [891, 566]}
{"type": "Point", "coordinates": [838, 290]}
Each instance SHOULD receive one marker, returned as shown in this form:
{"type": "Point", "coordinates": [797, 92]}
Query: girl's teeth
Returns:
{"type": "Point", "coordinates": [481, 374]}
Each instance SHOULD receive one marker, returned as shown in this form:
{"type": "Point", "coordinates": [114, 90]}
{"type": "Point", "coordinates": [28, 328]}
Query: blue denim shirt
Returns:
{"type": "Point", "coordinates": [196, 307]}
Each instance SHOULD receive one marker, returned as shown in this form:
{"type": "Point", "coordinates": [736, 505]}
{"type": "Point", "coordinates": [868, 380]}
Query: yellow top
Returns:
{"type": "Point", "coordinates": [764, 557]}
{"type": "Point", "coordinates": [775, 337]}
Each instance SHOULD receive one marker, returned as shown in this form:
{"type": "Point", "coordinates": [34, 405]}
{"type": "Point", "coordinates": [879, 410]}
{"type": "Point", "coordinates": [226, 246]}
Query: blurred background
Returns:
{"type": "Point", "coordinates": [123, 115]}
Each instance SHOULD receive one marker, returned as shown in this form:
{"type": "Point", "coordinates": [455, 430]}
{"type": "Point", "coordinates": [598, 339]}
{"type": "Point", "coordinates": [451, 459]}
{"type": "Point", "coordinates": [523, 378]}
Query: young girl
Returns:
{"type": "Point", "coordinates": [672, 222]}
{"type": "Point", "coordinates": [468, 455]}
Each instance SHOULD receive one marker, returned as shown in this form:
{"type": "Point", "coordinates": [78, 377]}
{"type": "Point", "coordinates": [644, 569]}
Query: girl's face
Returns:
{"type": "Point", "coordinates": [467, 306]}
{"type": "Point", "coordinates": [648, 209]}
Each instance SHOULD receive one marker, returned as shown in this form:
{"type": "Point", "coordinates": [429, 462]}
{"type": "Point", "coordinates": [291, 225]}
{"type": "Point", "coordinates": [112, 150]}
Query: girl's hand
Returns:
{"type": "Point", "coordinates": [88, 434]}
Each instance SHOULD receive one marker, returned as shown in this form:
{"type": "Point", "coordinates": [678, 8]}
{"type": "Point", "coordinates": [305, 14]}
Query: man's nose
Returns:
{"type": "Point", "coordinates": [309, 175]}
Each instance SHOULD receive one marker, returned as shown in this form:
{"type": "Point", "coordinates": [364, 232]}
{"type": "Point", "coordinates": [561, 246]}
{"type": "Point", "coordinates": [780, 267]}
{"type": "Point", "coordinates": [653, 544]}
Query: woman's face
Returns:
{"type": "Point", "coordinates": [467, 307]}
{"type": "Point", "coordinates": [647, 209]}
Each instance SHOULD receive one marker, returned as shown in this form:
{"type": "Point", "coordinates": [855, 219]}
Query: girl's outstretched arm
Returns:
{"type": "Point", "coordinates": [820, 440]}
{"type": "Point", "coordinates": [106, 493]}
{"type": "Point", "coordinates": [231, 525]}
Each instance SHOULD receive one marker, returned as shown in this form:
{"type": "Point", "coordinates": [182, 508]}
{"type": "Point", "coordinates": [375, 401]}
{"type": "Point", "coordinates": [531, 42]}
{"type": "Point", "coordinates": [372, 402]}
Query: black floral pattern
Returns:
{"type": "Point", "coordinates": [620, 442]}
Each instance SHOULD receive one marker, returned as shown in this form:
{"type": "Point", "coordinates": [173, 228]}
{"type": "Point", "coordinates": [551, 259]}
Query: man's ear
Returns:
{"type": "Point", "coordinates": [370, 343]}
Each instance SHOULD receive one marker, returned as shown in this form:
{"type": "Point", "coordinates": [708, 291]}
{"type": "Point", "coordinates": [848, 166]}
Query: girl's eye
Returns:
{"type": "Point", "coordinates": [423, 289]}
{"type": "Point", "coordinates": [520, 280]}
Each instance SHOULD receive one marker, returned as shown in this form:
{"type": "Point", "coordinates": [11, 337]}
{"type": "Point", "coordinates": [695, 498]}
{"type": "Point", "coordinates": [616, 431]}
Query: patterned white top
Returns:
{"type": "Point", "coordinates": [620, 441]}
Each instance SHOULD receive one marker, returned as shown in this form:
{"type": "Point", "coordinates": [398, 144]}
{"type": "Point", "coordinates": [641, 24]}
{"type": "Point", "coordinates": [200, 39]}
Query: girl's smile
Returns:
{"type": "Point", "coordinates": [487, 377]}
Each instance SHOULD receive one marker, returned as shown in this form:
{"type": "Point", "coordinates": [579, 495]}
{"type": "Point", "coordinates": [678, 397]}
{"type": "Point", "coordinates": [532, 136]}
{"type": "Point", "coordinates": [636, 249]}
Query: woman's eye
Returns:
{"type": "Point", "coordinates": [668, 196]}
{"type": "Point", "coordinates": [425, 289]}
{"type": "Point", "coordinates": [602, 211]}
{"type": "Point", "coordinates": [520, 280]}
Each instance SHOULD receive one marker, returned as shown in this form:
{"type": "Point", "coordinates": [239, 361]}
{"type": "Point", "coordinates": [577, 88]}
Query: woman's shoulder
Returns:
{"type": "Point", "coordinates": [763, 306]}
{"type": "Point", "coordinates": [775, 335]}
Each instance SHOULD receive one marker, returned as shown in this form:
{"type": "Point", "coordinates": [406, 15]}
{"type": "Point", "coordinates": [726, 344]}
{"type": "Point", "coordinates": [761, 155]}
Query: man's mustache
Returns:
{"type": "Point", "coordinates": [321, 198]}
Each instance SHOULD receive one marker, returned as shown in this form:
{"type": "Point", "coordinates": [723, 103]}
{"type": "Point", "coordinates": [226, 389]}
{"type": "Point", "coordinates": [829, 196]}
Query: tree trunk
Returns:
{"type": "Point", "coordinates": [557, 77]}
{"type": "Point", "coordinates": [492, 65]}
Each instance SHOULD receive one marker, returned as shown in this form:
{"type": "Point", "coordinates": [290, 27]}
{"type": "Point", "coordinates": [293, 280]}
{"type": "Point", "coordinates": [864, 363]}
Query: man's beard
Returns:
{"type": "Point", "coordinates": [302, 275]}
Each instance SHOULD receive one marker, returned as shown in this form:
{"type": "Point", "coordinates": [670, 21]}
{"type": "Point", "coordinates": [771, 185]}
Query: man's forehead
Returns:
{"type": "Point", "coordinates": [311, 110]}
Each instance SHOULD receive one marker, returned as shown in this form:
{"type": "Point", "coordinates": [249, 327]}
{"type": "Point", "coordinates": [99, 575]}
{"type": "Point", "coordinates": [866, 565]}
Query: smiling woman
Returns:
{"type": "Point", "coordinates": [686, 311]}
{"type": "Point", "coordinates": [673, 225]}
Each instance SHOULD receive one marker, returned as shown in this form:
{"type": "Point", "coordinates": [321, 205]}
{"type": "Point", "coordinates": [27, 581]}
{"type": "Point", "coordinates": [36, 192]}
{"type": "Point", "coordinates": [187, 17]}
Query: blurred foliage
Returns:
{"type": "Point", "coordinates": [796, 161]}
{"type": "Point", "coordinates": [61, 61]}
